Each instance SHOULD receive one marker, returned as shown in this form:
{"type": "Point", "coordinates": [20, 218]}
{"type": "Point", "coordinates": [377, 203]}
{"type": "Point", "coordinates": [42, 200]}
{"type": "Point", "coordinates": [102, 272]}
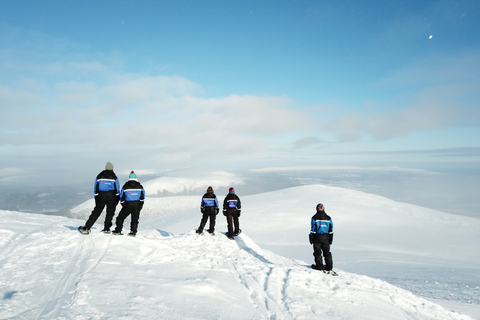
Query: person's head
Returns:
{"type": "Point", "coordinates": [132, 175]}
{"type": "Point", "coordinates": [210, 190]}
{"type": "Point", "coordinates": [231, 190]}
{"type": "Point", "coordinates": [320, 207]}
{"type": "Point", "coordinates": [109, 166]}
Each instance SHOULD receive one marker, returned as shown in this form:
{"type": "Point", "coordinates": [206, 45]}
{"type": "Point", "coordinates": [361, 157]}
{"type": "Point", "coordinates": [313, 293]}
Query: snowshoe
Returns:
{"type": "Point", "coordinates": [107, 231]}
{"type": "Point", "coordinates": [131, 234]}
{"type": "Point", "coordinates": [237, 233]}
{"type": "Point", "coordinates": [330, 272]}
{"type": "Point", "coordinates": [117, 233]}
{"type": "Point", "coordinates": [83, 230]}
{"type": "Point", "coordinates": [315, 267]}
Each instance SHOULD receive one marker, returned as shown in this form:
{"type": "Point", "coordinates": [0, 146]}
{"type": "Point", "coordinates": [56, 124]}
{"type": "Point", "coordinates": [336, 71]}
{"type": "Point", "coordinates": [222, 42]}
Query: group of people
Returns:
{"type": "Point", "coordinates": [107, 193]}
{"type": "Point", "coordinates": [132, 195]}
{"type": "Point", "coordinates": [232, 208]}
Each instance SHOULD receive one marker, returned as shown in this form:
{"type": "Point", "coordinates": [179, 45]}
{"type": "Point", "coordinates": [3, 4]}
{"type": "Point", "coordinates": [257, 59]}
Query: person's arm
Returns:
{"type": "Point", "coordinates": [217, 207]}
{"type": "Point", "coordinates": [117, 186]}
{"type": "Point", "coordinates": [330, 232]}
{"type": "Point", "coordinates": [312, 231]}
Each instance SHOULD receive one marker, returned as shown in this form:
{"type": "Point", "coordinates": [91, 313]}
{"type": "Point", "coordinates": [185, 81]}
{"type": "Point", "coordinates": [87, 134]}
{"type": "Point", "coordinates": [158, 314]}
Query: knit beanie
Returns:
{"type": "Point", "coordinates": [231, 190]}
{"type": "Point", "coordinates": [320, 207]}
{"type": "Point", "coordinates": [132, 175]}
{"type": "Point", "coordinates": [109, 166]}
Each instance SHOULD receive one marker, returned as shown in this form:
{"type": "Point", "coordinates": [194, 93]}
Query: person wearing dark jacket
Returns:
{"type": "Point", "coordinates": [209, 208]}
{"type": "Point", "coordinates": [231, 209]}
{"type": "Point", "coordinates": [321, 236]}
{"type": "Point", "coordinates": [132, 198]}
{"type": "Point", "coordinates": [105, 191]}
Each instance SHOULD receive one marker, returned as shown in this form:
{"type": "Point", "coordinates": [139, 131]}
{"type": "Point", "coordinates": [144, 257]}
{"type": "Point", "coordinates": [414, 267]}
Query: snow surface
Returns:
{"type": "Point", "coordinates": [50, 271]}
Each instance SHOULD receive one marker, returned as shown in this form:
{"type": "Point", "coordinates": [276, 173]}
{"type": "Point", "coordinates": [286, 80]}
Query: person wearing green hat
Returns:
{"type": "Point", "coordinates": [132, 198]}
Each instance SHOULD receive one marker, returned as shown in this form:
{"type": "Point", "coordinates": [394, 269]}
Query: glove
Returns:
{"type": "Point", "coordinates": [310, 238]}
{"type": "Point", "coordinates": [202, 209]}
{"type": "Point", "coordinates": [123, 203]}
{"type": "Point", "coordinates": [330, 238]}
{"type": "Point", "coordinates": [216, 211]}
{"type": "Point", "coordinates": [239, 211]}
{"type": "Point", "coordinates": [225, 212]}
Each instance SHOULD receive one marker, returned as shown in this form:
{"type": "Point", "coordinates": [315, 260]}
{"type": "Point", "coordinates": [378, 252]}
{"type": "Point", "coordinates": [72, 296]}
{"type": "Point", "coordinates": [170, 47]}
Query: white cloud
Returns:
{"type": "Point", "coordinates": [164, 118]}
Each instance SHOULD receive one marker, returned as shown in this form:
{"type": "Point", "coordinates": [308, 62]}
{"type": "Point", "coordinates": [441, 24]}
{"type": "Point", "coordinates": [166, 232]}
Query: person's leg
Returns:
{"type": "Point", "coordinates": [317, 253]}
{"type": "Point", "coordinates": [99, 205]}
{"type": "Point", "coordinates": [212, 217]}
{"type": "Point", "coordinates": [236, 224]}
{"type": "Point", "coordinates": [328, 256]}
{"type": "Point", "coordinates": [111, 206]}
{"type": "Point", "coordinates": [203, 222]}
{"type": "Point", "coordinates": [134, 219]}
{"type": "Point", "coordinates": [122, 215]}
{"type": "Point", "coordinates": [230, 225]}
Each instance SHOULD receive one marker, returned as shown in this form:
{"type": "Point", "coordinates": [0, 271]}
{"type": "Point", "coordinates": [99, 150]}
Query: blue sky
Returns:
{"type": "Point", "coordinates": [157, 85]}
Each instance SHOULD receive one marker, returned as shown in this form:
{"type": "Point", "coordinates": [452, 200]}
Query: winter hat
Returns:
{"type": "Point", "coordinates": [231, 190]}
{"type": "Point", "coordinates": [109, 166]}
{"type": "Point", "coordinates": [132, 175]}
{"type": "Point", "coordinates": [320, 207]}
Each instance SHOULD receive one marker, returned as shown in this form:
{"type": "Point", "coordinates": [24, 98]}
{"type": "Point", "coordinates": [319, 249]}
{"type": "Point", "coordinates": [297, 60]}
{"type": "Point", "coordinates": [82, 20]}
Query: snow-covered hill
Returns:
{"type": "Point", "coordinates": [167, 272]}
{"type": "Point", "coordinates": [430, 253]}
{"type": "Point", "coordinates": [50, 271]}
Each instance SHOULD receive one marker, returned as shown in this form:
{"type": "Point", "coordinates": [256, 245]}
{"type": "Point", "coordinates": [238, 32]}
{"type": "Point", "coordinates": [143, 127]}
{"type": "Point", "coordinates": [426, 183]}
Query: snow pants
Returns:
{"type": "Point", "coordinates": [321, 246]}
{"type": "Point", "coordinates": [208, 215]}
{"type": "Point", "coordinates": [105, 198]}
{"type": "Point", "coordinates": [129, 207]}
{"type": "Point", "coordinates": [233, 224]}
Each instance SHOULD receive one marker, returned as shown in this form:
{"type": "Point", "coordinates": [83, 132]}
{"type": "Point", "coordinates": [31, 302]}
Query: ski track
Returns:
{"type": "Point", "coordinates": [83, 259]}
{"type": "Point", "coordinates": [55, 290]}
{"type": "Point", "coordinates": [264, 283]}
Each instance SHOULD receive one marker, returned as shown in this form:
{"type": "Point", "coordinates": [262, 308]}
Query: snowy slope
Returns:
{"type": "Point", "coordinates": [430, 253]}
{"type": "Point", "coordinates": [50, 271]}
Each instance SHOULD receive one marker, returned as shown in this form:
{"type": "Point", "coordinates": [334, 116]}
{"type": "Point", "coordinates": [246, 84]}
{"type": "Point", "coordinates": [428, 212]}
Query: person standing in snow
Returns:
{"type": "Point", "coordinates": [132, 197]}
{"type": "Point", "coordinates": [106, 191]}
{"type": "Point", "coordinates": [209, 208]}
{"type": "Point", "coordinates": [232, 209]}
{"type": "Point", "coordinates": [321, 236]}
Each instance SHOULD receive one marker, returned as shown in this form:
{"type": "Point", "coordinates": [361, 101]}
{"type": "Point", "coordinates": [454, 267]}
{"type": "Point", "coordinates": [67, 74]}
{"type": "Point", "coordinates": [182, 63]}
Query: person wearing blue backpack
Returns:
{"type": "Point", "coordinates": [132, 198]}
{"type": "Point", "coordinates": [321, 237]}
{"type": "Point", "coordinates": [106, 191]}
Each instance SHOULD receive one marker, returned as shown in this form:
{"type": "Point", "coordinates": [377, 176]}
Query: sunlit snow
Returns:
{"type": "Point", "coordinates": [50, 271]}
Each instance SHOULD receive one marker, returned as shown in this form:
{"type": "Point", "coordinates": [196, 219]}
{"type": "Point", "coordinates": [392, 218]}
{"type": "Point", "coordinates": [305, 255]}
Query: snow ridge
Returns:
{"type": "Point", "coordinates": [50, 271]}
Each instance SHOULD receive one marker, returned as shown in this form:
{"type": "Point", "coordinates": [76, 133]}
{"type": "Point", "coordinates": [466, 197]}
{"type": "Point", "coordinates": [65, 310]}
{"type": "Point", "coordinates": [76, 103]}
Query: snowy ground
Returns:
{"type": "Point", "coordinates": [50, 271]}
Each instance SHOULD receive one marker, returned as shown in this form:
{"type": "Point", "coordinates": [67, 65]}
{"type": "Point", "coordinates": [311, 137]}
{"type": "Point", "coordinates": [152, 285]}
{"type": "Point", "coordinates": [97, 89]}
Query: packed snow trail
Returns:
{"type": "Point", "coordinates": [50, 271]}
